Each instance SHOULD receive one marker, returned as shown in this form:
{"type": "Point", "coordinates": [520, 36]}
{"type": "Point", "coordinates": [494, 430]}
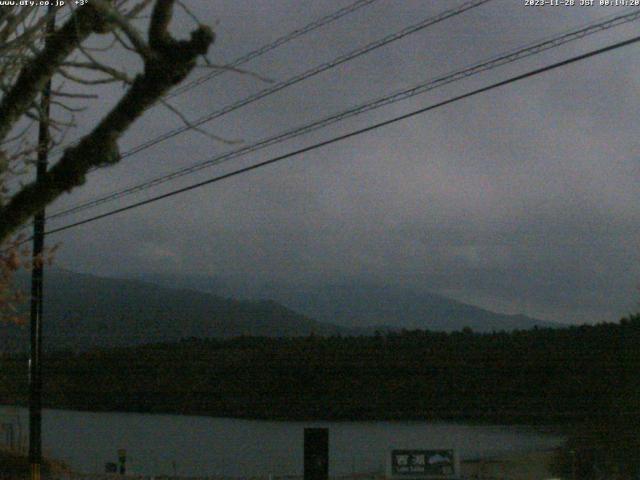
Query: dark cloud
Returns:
{"type": "Point", "coordinates": [523, 199]}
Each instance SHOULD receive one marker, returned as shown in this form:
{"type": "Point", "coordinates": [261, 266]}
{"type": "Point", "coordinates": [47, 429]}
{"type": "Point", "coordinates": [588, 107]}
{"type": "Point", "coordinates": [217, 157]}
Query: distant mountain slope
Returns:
{"type": "Point", "coordinates": [366, 307]}
{"type": "Point", "coordinates": [84, 311]}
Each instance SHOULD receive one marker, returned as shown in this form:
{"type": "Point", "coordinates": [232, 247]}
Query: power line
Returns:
{"type": "Point", "coordinates": [327, 19]}
{"type": "Point", "coordinates": [479, 67]}
{"type": "Point", "coordinates": [352, 134]}
{"type": "Point", "coordinates": [273, 45]}
{"type": "Point", "coordinates": [308, 74]}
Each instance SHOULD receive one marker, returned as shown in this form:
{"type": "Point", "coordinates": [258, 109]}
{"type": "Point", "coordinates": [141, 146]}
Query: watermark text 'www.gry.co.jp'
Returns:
{"type": "Point", "coordinates": [32, 3]}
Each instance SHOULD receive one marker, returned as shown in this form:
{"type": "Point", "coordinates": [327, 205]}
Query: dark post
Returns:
{"type": "Point", "coordinates": [316, 453]}
{"type": "Point", "coordinates": [122, 460]}
{"type": "Point", "coordinates": [35, 366]}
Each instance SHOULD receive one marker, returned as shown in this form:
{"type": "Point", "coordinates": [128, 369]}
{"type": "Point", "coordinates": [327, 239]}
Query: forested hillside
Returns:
{"type": "Point", "coordinates": [85, 311]}
{"type": "Point", "coordinates": [540, 375]}
{"type": "Point", "coordinates": [362, 305]}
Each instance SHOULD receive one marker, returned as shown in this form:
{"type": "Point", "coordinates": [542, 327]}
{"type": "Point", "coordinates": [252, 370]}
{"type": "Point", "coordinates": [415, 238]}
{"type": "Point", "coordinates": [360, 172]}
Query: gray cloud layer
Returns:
{"type": "Point", "coordinates": [521, 200]}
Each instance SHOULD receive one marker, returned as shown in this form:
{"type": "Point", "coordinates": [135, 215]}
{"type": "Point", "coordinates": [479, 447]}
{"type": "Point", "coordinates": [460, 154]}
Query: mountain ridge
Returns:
{"type": "Point", "coordinates": [365, 306]}
{"type": "Point", "coordinates": [85, 311]}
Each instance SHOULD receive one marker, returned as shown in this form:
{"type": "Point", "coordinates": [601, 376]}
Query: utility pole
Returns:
{"type": "Point", "coordinates": [35, 358]}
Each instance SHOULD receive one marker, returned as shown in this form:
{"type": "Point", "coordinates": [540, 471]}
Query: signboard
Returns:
{"type": "Point", "coordinates": [423, 464]}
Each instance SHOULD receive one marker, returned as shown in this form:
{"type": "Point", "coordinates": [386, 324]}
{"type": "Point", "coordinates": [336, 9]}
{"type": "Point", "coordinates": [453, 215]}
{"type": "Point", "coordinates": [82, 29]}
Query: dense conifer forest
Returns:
{"type": "Point", "coordinates": [584, 378]}
{"type": "Point", "coordinates": [540, 375]}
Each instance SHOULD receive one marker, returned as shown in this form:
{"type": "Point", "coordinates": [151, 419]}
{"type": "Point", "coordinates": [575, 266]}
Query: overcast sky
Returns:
{"type": "Point", "coordinates": [520, 200]}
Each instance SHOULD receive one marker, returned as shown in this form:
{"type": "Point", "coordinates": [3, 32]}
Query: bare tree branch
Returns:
{"type": "Point", "coordinates": [195, 128]}
{"type": "Point", "coordinates": [100, 67]}
{"type": "Point", "coordinates": [167, 64]}
{"type": "Point", "coordinates": [36, 73]}
{"type": "Point", "coordinates": [90, 81]}
{"type": "Point", "coordinates": [114, 16]}
{"type": "Point", "coordinates": [67, 107]}
{"type": "Point", "coordinates": [159, 38]}
{"type": "Point", "coordinates": [60, 93]}
{"type": "Point", "coordinates": [136, 9]}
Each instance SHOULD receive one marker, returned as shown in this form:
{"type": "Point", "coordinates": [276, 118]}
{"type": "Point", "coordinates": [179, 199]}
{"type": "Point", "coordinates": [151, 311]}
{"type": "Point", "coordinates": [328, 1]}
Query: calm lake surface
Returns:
{"type": "Point", "coordinates": [222, 446]}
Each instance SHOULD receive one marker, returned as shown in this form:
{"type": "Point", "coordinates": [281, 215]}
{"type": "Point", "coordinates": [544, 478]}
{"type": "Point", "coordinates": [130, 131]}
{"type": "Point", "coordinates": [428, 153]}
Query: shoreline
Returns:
{"type": "Point", "coordinates": [518, 466]}
{"type": "Point", "coordinates": [562, 425]}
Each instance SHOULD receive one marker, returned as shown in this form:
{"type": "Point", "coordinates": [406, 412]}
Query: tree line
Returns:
{"type": "Point", "coordinates": [539, 375]}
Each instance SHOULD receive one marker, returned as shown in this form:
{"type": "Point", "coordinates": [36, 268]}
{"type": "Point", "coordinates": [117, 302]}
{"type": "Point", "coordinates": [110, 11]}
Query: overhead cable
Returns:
{"type": "Point", "coordinates": [327, 19]}
{"type": "Point", "coordinates": [423, 87]}
{"type": "Point", "coordinates": [339, 138]}
{"type": "Point", "coordinates": [332, 17]}
{"type": "Point", "coordinates": [307, 74]}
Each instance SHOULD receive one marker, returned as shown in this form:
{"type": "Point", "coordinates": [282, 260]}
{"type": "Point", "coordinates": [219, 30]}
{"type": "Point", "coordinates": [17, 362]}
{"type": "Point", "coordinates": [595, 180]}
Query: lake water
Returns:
{"type": "Point", "coordinates": [231, 447]}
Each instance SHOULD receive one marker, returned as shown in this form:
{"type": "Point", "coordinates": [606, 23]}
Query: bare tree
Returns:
{"type": "Point", "coordinates": [166, 62]}
{"type": "Point", "coordinates": [27, 62]}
